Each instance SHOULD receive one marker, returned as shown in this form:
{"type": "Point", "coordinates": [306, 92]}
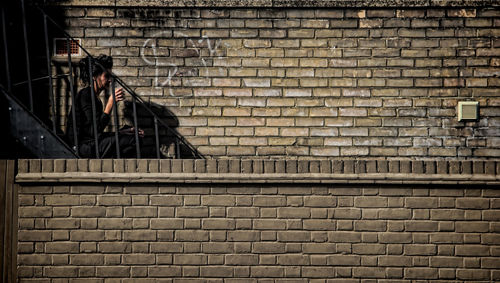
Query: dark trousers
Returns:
{"type": "Point", "coordinates": [107, 146]}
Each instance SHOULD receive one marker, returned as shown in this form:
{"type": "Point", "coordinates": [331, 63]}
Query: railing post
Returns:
{"type": "Point", "coordinates": [115, 115]}
{"type": "Point", "coordinates": [94, 118]}
{"type": "Point", "coordinates": [27, 56]}
{"type": "Point", "coordinates": [157, 139]}
{"type": "Point", "coordinates": [177, 149]}
{"type": "Point", "coordinates": [136, 130]}
{"type": "Point", "coordinates": [49, 72]}
{"type": "Point", "coordinates": [6, 51]}
{"type": "Point", "coordinates": [73, 97]}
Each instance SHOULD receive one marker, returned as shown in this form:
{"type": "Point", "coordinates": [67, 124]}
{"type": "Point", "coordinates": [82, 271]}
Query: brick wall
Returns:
{"type": "Point", "coordinates": [105, 231]}
{"type": "Point", "coordinates": [310, 83]}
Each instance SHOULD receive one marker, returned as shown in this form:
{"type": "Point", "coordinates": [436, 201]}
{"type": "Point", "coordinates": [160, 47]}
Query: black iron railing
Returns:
{"type": "Point", "coordinates": [188, 151]}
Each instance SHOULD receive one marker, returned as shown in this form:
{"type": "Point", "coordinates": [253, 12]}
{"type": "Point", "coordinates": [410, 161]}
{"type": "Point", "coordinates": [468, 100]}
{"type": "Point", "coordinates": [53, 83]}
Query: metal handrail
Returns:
{"type": "Point", "coordinates": [40, 79]}
{"type": "Point", "coordinates": [178, 138]}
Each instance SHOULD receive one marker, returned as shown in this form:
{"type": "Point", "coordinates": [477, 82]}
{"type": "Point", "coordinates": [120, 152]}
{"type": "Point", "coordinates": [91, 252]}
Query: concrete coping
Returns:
{"type": "Point", "coordinates": [258, 171]}
{"type": "Point", "coordinates": [277, 3]}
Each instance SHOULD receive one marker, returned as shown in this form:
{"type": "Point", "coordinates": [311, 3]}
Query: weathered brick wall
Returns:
{"type": "Point", "coordinates": [248, 232]}
{"type": "Point", "coordinates": [326, 82]}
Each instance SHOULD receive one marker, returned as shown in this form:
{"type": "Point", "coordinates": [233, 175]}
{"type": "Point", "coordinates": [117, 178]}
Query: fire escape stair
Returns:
{"type": "Point", "coordinates": [31, 132]}
{"type": "Point", "coordinates": [39, 137]}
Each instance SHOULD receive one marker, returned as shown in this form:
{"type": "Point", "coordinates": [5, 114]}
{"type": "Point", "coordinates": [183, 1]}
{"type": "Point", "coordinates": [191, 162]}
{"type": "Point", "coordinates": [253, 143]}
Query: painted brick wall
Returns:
{"type": "Point", "coordinates": [245, 233]}
{"type": "Point", "coordinates": [107, 231]}
{"type": "Point", "coordinates": [310, 82]}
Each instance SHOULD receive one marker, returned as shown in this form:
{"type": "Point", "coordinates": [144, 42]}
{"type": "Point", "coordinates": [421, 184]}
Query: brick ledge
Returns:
{"type": "Point", "coordinates": [258, 171]}
{"type": "Point", "coordinates": [316, 178]}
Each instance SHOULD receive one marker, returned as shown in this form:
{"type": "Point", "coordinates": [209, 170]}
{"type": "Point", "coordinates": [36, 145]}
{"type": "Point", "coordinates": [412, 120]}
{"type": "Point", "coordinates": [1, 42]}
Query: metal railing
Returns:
{"type": "Point", "coordinates": [179, 140]}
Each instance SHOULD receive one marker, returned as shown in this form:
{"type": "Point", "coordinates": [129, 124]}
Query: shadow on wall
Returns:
{"type": "Point", "coordinates": [167, 138]}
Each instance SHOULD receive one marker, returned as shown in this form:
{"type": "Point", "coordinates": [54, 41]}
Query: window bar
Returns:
{"type": "Point", "coordinates": [157, 139]}
{"type": "Point", "coordinates": [92, 99]}
{"type": "Point", "coordinates": [136, 130]}
{"type": "Point", "coordinates": [6, 52]}
{"type": "Point", "coordinates": [73, 97]}
{"type": "Point", "coordinates": [115, 116]}
{"type": "Point", "coordinates": [49, 72]}
{"type": "Point", "coordinates": [26, 52]}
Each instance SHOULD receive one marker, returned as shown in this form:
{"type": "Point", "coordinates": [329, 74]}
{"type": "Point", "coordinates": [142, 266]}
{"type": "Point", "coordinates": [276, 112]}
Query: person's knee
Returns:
{"type": "Point", "coordinates": [127, 140]}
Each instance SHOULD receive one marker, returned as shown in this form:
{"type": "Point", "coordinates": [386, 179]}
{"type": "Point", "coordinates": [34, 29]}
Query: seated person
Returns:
{"type": "Point", "coordinates": [101, 80]}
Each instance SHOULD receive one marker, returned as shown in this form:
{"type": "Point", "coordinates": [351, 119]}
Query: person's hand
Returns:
{"type": "Point", "coordinates": [131, 131]}
{"type": "Point", "coordinates": [119, 93]}
{"type": "Point", "coordinates": [140, 132]}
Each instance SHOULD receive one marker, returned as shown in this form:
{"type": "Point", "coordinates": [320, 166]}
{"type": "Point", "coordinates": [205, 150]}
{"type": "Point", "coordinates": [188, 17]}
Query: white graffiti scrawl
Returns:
{"type": "Point", "coordinates": [155, 61]}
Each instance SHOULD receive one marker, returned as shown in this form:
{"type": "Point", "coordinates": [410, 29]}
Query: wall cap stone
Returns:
{"type": "Point", "coordinates": [258, 171]}
{"type": "Point", "coordinates": [278, 3]}
{"type": "Point", "coordinates": [316, 178]}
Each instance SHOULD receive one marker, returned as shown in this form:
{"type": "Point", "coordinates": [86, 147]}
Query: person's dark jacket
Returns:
{"type": "Point", "coordinates": [84, 122]}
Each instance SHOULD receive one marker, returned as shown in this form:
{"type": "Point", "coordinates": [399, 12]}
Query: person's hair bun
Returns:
{"type": "Point", "coordinates": [99, 65]}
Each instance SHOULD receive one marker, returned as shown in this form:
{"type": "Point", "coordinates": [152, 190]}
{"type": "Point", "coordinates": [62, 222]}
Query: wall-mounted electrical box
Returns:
{"type": "Point", "coordinates": [468, 110]}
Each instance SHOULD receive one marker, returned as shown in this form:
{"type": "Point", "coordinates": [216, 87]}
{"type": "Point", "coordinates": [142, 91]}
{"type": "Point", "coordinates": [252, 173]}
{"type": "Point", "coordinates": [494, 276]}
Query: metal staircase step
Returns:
{"type": "Point", "coordinates": [32, 133]}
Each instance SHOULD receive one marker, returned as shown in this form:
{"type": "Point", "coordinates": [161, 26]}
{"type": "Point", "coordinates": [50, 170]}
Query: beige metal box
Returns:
{"type": "Point", "coordinates": [468, 110]}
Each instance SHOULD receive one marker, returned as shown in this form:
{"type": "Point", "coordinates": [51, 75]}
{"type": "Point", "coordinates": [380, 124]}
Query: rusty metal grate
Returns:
{"type": "Point", "coordinates": [60, 47]}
